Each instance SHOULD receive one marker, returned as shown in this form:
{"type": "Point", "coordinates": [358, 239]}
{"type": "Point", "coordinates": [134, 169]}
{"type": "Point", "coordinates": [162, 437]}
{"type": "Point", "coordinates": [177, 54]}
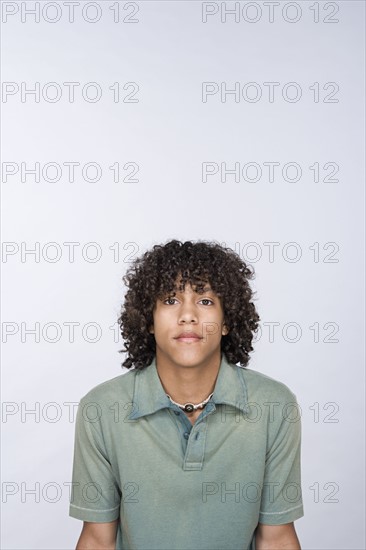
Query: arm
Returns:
{"type": "Point", "coordinates": [98, 536]}
{"type": "Point", "coordinates": [276, 537]}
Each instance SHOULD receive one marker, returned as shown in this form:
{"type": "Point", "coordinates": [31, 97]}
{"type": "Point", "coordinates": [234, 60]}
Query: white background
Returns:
{"type": "Point", "coordinates": [169, 133]}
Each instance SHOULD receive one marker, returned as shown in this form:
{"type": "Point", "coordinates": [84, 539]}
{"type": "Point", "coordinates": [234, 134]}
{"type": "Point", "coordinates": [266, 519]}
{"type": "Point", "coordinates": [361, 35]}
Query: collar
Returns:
{"type": "Point", "coordinates": [149, 394]}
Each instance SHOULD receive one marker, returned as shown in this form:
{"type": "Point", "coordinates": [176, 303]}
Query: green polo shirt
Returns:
{"type": "Point", "coordinates": [175, 486]}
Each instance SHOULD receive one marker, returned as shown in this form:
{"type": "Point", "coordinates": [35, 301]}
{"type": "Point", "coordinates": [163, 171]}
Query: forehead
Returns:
{"type": "Point", "coordinates": [188, 288]}
{"type": "Point", "coordinates": [185, 281]}
{"type": "Point", "coordinates": [185, 286]}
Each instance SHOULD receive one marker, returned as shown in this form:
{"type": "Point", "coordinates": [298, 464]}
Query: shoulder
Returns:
{"type": "Point", "coordinates": [273, 402]}
{"type": "Point", "coordinates": [115, 389]}
{"type": "Point", "coordinates": [261, 386]}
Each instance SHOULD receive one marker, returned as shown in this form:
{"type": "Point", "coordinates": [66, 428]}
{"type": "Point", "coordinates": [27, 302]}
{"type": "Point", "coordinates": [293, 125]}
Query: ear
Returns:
{"type": "Point", "coordinates": [151, 329]}
{"type": "Point", "coordinates": [225, 330]}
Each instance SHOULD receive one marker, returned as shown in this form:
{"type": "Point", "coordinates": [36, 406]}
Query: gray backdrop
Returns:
{"type": "Point", "coordinates": [126, 124]}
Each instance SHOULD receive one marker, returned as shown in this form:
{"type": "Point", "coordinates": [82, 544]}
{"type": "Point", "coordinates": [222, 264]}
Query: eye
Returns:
{"type": "Point", "coordinates": [207, 300]}
{"type": "Point", "coordinates": [168, 299]}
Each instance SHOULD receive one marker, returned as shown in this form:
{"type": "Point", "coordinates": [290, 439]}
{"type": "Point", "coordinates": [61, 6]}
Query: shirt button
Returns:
{"type": "Point", "coordinates": [176, 412]}
{"type": "Point", "coordinates": [186, 435]}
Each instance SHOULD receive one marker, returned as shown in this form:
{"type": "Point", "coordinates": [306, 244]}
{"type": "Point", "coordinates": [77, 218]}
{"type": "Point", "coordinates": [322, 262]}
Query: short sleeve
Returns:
{"type": "Point", "coordinates": [281, 500]}
{"type": "Point", "coordinates": [95, 494]}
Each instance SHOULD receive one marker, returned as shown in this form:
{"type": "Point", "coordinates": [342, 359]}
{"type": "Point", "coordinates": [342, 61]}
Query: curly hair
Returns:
{"type": "Point", "coordinates": [154, 275]}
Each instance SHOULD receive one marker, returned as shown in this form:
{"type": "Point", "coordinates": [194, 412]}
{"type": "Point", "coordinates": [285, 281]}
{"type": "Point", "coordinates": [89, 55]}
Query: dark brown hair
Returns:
{"type": "Point", "coordinates": [153, 276]}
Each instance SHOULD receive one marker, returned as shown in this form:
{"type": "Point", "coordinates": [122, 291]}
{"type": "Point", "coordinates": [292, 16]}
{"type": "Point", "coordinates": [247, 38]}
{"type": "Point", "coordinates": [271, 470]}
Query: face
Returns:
{"type": "Point", "coordinates": [188, 328]}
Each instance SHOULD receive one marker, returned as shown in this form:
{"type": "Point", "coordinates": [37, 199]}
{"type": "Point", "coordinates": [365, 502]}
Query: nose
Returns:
{"type": "Point", "coordinates": [187, 313]}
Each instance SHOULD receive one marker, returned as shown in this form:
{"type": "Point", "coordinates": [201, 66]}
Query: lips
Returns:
{"type": "Point", "coordinates": [189, 336]}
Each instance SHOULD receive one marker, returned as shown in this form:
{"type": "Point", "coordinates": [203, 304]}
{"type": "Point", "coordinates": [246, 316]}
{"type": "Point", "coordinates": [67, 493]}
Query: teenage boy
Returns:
{"type": "Point", "coordinates": [188, 450]}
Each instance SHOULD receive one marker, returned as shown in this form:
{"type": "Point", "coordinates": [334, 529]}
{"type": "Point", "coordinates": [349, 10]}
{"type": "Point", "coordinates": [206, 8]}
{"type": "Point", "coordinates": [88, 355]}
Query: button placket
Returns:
{"type": "Point", "coordinates": [193, 459]}
{"type": "Point", "coordinates": [183, 426]}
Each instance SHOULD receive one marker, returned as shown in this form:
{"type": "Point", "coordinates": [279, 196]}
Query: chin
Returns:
{"type": "Point", "coordinates": [190, 359]}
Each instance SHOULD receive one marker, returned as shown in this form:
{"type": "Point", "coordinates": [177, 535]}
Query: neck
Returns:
{"type": "Point", "coordinates": [188, 383]}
